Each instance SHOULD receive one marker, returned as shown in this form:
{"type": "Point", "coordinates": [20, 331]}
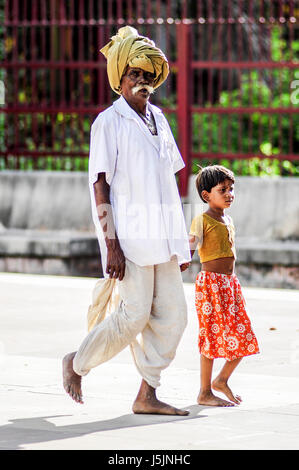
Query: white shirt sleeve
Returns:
{"type": "Point", "coordinates": [177, 160]}
{"type": "Point", "coordinates": [103, 149]}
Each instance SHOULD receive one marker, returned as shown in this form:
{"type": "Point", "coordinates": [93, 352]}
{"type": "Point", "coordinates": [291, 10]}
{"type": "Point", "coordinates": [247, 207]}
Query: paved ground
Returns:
{"type": "Point", "coordinates": [44, 317]}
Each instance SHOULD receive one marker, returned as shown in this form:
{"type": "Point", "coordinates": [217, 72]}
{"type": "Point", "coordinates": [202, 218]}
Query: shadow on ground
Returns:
{"type": "Point", "coordinates": [20, 432]}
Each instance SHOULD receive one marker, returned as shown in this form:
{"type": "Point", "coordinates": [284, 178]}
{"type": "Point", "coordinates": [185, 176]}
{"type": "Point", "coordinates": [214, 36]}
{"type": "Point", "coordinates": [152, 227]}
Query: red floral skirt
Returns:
{"type": "Point", "coordinates": [224, 327]}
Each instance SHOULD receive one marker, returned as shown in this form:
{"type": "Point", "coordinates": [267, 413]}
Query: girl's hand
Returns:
{"type": "Point", "coordinates": [184, 266]}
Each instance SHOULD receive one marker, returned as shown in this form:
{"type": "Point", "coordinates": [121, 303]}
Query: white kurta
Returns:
{"type": "Point", "coordinates": [140, 170]}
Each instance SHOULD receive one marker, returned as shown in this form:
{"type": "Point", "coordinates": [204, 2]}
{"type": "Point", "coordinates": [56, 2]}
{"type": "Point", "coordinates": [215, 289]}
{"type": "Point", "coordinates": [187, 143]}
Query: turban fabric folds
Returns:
{"type": "Point", "coordinates": [128, 48]}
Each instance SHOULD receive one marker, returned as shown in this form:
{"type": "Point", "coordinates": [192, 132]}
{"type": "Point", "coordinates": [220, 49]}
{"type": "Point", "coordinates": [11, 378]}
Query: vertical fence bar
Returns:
{"type": "Point", "coordinates": [229, 59]}
{"type": "Point", "coordinates": [34, 75]}
{"type": "Point", "coordinates": [44, 74]}
{"type": "Point", "coordinates": [200, 54]}
{"type": "Point", "coordinates": [261, 27]}
{"type": "Point", "coordinates": [62, 15]}
{"type": "Point", "coordinates": [52, 73]}
{"type": "Point", "coordinates": [272, 72]}
{"type": "Point", "coordinates": [72, 75]}
{"type": "Point", "coordinates": [291, 32]}
{"type": "Point", "coordinates": [80, 116]}
{"type": "Point", "coordinates": [16, 119]}
{"type": "Point", "coordinates": [183, 101]}
{"type": "Point", "coordinates": [210, 70]}
{"type": "Point", "coordinates": [220, 72]}
{"type": "Point", "coordinates": [6, 120]}
{"type": "Point", "coordinates": [239, 73]}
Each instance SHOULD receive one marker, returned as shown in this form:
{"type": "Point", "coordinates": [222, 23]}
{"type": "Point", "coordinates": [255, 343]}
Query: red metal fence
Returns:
{"type": "Point", "coordinates": [231, 95]}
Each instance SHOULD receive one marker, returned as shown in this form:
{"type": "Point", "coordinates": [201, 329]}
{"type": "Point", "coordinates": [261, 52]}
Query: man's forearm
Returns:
{"type": "Point", "coordinates": [104, 210]}
{"type": "Point", "coordinates": [116, 263]}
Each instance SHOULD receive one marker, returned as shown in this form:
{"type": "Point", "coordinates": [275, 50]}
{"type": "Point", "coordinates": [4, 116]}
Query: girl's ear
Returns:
{"type": "Point", "coordinates": [205, 195]}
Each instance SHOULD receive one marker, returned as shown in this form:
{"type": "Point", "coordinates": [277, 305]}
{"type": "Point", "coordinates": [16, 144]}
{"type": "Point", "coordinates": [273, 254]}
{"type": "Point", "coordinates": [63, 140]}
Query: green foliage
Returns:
{"type": "Point", "coordinates": [258, 134]}
{"type": "Point", "coordinates": [262, 133]}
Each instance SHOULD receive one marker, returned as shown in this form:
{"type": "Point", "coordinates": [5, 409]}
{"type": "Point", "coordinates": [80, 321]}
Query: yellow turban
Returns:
{"type": "Point", "coordinates": [128, 48]}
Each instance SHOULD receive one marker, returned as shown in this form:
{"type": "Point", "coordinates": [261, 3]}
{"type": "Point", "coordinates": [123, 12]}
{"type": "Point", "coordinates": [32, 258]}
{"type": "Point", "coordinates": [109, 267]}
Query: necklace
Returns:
{"type": "Point", "coordinates": [149, 121]}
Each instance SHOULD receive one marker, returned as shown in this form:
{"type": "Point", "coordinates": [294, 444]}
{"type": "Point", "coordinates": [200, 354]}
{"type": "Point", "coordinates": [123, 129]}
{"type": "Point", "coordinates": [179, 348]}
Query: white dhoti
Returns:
{"type": "Point", "coordinates": [152, 304]}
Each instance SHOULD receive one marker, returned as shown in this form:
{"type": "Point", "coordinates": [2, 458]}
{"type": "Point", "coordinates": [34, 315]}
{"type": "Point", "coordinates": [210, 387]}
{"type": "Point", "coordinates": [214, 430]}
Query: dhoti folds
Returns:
{"type": "Point", "coordinates": [152, 304]}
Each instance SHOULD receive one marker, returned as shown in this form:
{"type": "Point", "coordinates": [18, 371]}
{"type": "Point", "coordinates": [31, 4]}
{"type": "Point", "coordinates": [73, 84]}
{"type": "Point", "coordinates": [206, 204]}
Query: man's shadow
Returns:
{"type": "Point", "coordinates": [33, 430]}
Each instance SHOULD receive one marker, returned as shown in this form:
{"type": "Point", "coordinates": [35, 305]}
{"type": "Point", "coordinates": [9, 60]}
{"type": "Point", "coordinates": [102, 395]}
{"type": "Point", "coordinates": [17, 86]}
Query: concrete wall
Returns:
{"type": "Point", "coordinates": [46, 226]}
{"type": "Point", "coordinates": [264, 208]}
{"type": "Point", "coordinates": [45, 200]}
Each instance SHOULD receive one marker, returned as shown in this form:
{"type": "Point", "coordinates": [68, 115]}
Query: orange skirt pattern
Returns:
{"type": "Point", "coordinates": [224, 327]}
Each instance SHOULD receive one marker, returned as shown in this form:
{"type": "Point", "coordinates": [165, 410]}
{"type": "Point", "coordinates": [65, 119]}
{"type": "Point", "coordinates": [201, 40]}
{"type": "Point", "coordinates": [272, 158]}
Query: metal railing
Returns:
{"type": "Point", "coordinates": [231, 95]}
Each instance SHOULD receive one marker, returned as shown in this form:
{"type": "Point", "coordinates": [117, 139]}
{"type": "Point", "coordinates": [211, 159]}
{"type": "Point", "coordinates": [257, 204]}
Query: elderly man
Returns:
{"type": "Point", "coordinates": [140, 225]}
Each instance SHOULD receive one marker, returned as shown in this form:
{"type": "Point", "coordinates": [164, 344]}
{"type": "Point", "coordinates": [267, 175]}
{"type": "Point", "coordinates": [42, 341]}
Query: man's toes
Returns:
{"type": "Point", "coordinates": [184, 413]}
{"type": "Point", "coordinates": [75, 396]}
{"type": "Point", "coordinates": [78, 398]}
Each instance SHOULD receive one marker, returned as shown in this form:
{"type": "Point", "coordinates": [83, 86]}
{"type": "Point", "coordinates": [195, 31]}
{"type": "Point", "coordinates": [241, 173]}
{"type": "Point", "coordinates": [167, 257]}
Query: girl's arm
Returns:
{"type": "Point", "coordinates": [193, 242]}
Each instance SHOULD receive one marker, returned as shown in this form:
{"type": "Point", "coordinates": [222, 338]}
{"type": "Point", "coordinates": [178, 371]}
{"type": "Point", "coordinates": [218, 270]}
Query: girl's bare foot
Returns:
{"type": "Point", "coordinates": [147, 403]}
{"type": "Point", "coordinates": [207, 398]}
{"type": "Point", "coordinates": [221, 386]}
{"type": "Point", "coordinates": [71, 380]}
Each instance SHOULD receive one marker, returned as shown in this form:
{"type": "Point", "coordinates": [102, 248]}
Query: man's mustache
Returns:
{"type": "Point", "coordinates": [149, 88]}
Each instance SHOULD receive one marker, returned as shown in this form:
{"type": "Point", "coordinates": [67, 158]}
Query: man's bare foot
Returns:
{"type": "Point", "coordinates": [207, 398]}
{"type": "Point", "coordinates": [71, 380]}
{"type": "Point", "coordinates": [147, 403]}
{"type": "Point", "coordinates": [221, 386]}
{"type": "Point", "coordinates": [156, 407]}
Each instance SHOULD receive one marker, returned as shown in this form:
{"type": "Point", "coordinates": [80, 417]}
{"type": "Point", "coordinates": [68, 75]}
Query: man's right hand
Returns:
{"type": "Point", "coordinates": [116, 262]}
{"type": "Point", "coordinates": [184, 266]}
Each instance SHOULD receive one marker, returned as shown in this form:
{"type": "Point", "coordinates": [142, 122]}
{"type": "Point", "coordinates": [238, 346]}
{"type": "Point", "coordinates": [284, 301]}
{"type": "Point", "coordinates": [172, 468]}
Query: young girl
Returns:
{"type": "Point", "coordinates": [224, 327]}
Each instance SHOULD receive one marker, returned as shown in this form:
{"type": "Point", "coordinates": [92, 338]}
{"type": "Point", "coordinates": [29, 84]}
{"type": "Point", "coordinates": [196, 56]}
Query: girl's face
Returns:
{"type": "Point", "coordinates": [221, 196]}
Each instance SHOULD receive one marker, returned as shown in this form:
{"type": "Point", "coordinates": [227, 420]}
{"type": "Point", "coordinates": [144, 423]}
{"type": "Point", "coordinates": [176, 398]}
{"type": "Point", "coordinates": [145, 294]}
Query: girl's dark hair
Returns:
{"type": "Point", "coordinates": [210, 176]}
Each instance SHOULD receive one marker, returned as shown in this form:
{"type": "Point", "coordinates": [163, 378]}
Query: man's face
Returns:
{"type": "Point", "coordinates": [137, 84]}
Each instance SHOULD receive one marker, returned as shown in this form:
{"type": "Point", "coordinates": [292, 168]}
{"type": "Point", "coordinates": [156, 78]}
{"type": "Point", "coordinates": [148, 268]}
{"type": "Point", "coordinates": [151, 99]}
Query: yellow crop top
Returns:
{"type": "Point", "coordinates": [216, 239]}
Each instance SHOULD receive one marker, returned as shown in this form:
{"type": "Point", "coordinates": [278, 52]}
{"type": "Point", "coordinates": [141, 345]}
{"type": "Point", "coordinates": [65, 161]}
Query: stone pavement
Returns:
{"type": "Point", "coordinates": [44, 317]}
